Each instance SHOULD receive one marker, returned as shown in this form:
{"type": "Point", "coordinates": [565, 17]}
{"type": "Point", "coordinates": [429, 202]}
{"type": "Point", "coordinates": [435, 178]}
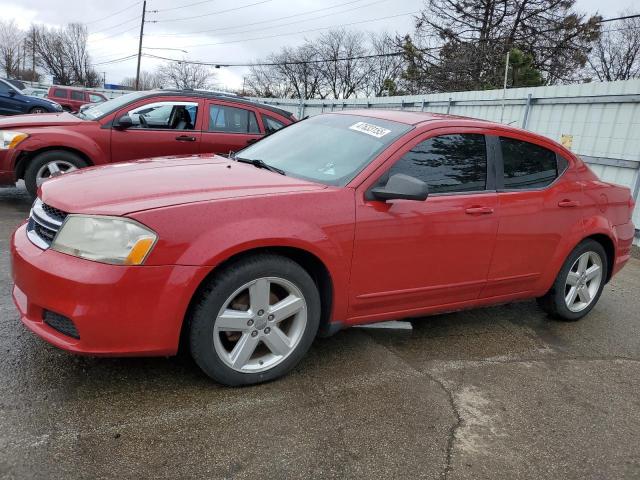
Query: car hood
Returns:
{"type": "Point", "coordinates": [122, 188]}
{"type": "Point", "coordinates": [40, 120]}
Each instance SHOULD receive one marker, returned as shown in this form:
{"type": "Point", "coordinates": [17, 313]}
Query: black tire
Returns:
{"type": "Point", "coordinates": [38, 110]}
{"type": "Point", "coordinates": [217, 292]}
{"type": "Point", "coordinates": [553, 302]}
{"type": "Point", "coordinates": [36, 163]}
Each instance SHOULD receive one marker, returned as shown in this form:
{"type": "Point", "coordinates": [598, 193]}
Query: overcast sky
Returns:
{"type": "Point", "coordinates": [220, 31]}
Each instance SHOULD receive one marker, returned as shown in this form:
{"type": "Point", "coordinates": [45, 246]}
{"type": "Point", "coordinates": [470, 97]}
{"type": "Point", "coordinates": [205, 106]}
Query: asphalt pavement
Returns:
{"type": "Point", "coordinates": [495, 393]}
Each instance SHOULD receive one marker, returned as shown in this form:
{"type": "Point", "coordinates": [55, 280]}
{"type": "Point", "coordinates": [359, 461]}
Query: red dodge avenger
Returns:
{"type": "Point", "coordinates": [337, 220]}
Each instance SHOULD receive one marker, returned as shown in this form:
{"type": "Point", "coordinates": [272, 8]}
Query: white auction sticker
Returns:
{"type": "Point", "coordinates": [373, 130]}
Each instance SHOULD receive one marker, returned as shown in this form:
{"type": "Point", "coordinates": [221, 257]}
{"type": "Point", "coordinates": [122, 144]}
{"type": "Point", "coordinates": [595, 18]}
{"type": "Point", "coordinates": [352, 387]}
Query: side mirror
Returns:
{"type": "Point", "coordinates": [12, 93]}
{"type": "Point", "coordinates": [123, 123]}
{"type": "Point", "coordinates": [402, 187]}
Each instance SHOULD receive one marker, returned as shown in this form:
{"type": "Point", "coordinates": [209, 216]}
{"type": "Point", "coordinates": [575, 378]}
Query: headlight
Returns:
{"type": "Point", "coordinates": [10, 139]}
{"type": "Point", "coordinates": [112, 240]}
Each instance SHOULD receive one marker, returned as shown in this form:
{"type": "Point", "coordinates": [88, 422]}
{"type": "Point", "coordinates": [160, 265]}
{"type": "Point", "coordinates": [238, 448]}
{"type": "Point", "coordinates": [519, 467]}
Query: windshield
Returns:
{"type": "Point", "coordinates": [329, 149]}
{"type": "Point", "coordinates": [99, 110]}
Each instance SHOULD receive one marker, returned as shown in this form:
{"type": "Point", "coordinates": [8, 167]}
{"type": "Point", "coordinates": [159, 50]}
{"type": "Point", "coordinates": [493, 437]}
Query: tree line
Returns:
{"type": "Point", "coordinates": [455, 45]}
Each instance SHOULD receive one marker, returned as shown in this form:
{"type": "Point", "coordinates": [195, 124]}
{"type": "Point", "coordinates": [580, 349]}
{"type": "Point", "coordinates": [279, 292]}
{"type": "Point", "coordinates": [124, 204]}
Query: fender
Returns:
{"type": "Point", "coordinates": [322, 223]}
{"type": "Point", "coordinates": [66, 139]}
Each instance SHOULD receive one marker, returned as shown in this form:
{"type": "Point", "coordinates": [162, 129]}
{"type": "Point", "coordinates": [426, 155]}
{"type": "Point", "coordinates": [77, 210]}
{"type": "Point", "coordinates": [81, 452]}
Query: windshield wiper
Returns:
{"type": "Point", "coordinates": [256, 162]}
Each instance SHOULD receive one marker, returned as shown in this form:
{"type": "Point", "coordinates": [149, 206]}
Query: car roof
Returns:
{"type": "Point", "coordinates": [229, 97]}
{"type": "Point", "coordinates": [409, 117]}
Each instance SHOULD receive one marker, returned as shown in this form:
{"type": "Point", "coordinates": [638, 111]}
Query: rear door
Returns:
{"type": "Point", "coordinates": [162, 126]}
{"type": "Point", "coordinates": [229, 127]}
{"type": "Point", "coordinates": [539, 209]}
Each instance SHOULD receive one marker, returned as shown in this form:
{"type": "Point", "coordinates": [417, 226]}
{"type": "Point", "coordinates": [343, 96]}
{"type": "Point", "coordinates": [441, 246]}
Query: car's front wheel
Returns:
{"type": "Point", "coordinates": [50, 164]}
{"type": "Point", "coordinates": [38, 110]}
{"type": "Point", "coordinates": [255, 320]}
{"type": "Point", "coordinates": [579, 284]}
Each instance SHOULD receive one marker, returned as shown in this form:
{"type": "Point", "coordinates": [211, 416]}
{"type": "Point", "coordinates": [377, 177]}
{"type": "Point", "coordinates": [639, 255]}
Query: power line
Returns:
{"type": "Point", "coordinates": [135, 27]}
{"type": "Point", "coordinates": [261, 21]}
{"type": "Point", "coordinates": [262, 29]}
{"type": "Point", "coordinates": [637, 15]}
{"type": "Point", "coordinates": [184, 6]}
{"type": "Point", "coordinates": [117, 60]}
{"type": "Point", "coordinates": [298, 32]}
{"type": "Point", "coordinates": [113, 14]}
{"type": "Point", "coordinates": [271, 64]}
{"type": "Point", "coordinates": [213, 13]}
{"type": "Point", "coordinates": [116, 26]}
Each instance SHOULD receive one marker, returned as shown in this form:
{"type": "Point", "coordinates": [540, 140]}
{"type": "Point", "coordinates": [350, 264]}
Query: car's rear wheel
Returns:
{"type": "Point", "coordinates": [37, 110]}
{"type": "Point", "coordinates": [579, 284]}
{"type": "Point", "coordinates": [255, 320]}
{"type": "Point", "coordinates": [48, 165]}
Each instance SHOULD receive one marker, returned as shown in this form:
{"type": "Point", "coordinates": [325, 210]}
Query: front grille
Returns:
{"type": "Point", "coordinates": [44, 223]}
{"type": "Point", "coordinates": [60, 323]}
{"type": "Point", "coordinates": [54, 212]}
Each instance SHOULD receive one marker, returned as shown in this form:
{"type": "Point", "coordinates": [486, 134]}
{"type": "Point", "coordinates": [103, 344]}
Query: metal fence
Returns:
{"type": "Point", "coordinates": [599, 121]}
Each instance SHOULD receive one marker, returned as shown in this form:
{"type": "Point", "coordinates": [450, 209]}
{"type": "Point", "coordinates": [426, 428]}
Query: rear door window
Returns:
{"type": "Point", "coordinates": [232, 120]}
{"type": "Point", "coordinates": [527, 165]}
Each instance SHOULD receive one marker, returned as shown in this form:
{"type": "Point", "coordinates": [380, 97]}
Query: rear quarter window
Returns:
{"type": "Point", "coordinates": [59, 93]}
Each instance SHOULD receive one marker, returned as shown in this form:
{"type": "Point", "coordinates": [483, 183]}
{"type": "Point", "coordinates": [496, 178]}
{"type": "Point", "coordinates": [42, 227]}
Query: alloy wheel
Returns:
{"type": "Point", "coordinates": [260, 325]}
{"type": "Point", "coordinates": [53, 169]}
{"type": "Point", "coordinates": [583, 281]}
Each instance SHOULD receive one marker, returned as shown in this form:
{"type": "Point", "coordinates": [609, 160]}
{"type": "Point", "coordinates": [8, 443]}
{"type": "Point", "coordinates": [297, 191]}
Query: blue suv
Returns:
{"type": "Point", "coordinates": [13, 101]}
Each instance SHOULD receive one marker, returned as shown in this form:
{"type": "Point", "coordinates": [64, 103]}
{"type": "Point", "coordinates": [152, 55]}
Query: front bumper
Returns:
{"type": "Point", "coordinates": [117, 310]}
{"type": "Point", "coordinates": [8, 160]}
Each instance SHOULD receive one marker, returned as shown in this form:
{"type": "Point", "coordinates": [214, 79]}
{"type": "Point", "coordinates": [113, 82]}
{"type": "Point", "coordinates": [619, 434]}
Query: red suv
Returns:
{"type": "Point", "coordinates": [338, 220]}
{"type": "Point", "coordinates": [72, 99]}
{"type": "Point", "coordinates": [133, 126]}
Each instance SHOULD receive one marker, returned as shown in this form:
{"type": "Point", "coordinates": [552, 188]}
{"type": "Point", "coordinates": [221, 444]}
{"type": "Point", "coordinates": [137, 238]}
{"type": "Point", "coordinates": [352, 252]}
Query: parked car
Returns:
{"type": "Point", "coordinates": [130, 127]}
{"type": "Point", "coordinates": [35, 92]}
{"type": "Point", "coordinates": [338, 220]}
{"type": "Point", "coordinates": [72, 98]}
{"type": "Point", "coordinates": [13, 101]}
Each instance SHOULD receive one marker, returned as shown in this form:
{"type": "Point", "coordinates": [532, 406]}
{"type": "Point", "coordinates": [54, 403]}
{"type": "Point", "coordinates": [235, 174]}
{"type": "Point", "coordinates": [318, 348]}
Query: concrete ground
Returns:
{"type": "Point", "coordinates": [497, 393]}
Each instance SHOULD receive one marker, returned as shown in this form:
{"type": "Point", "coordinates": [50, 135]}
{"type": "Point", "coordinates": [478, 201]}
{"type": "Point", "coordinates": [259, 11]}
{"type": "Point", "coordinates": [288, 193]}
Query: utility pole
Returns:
{"type": "Point", "coordinates": [144, 11]}
{"type": "Point", "coordinates": [104, 79]}
{"type": "Point", "coordinates": [33, 54]}
{"type": "Point", "coordinates": [504, 88]}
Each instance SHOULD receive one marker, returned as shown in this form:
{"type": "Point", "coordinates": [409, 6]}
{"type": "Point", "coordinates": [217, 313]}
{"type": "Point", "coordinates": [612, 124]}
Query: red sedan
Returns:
{"type": "Point", "coordinates": [338, 220]}
{"type": "Point", "coordinates": [133, 126]}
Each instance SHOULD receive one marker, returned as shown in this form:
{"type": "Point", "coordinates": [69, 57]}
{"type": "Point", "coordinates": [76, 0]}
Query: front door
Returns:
{"type": "Point", "coordinates": [160, 128]}
{"type": "Point", "coordinates": [10, 101]}
{"type": "Point", "coordinates": [411, 255]}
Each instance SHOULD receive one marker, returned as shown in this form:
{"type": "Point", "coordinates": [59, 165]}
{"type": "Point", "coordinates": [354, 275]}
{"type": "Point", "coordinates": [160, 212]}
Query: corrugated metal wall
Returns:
{"type": "Point", "coordinates": [600, 119]}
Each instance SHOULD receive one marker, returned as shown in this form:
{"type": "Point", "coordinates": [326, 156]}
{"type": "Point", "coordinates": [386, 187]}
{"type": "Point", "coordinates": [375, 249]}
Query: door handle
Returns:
{"type": "Point", "coordinates": [185, 138]}
{"type": "Point", "coordinates": [479, 210]}
{"type": "Point", "coordinates": [568, 203]}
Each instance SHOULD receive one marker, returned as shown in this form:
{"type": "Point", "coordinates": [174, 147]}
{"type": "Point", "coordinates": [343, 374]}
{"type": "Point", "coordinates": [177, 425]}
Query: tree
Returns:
{"type": "Point", "coordinates": [616, 54]}
{"type": "Point", "coordinates": [385, 69]}
{"type": "Point", "coordinates": [461, 44]}
{"type": "Point", "coordinates": [11, 41]}
{"type": "Point", "coordinates": [148, 81]}
{"type": "Point", "coordinates": [184, 75]}
{"type": "Point", "coordinates": [342, 70]}
{"type": "Point", "coordinates": [63, 52]}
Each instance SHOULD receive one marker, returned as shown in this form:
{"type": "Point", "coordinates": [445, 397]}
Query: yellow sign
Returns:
{"type": "Point", "coordinates": [566, 140]}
